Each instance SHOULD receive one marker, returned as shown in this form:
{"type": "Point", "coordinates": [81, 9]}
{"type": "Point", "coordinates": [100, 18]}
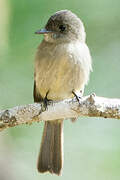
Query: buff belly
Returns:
{"type": "Point", "coordinates": [59, 78]}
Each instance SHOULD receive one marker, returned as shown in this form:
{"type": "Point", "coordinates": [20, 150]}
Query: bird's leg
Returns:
{"type": "Point", "coordinates": [44, 103]}
{"type": "Point", "coordinates": [77, 95]}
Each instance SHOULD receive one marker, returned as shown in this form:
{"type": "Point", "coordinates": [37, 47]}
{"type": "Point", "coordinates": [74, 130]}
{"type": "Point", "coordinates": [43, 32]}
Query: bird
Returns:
{"type": "Point", "coordinates": [61, 70]}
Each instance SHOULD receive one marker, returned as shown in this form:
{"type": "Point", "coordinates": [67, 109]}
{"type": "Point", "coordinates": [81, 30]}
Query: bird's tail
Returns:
{"type": "Point", "coordinates": [50, 157]}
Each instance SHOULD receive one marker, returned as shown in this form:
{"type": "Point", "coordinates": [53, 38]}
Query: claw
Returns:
{"type": "Point", "coordinates": [78, 97]}
{"type": "Point", "coordinates": [44, 104]}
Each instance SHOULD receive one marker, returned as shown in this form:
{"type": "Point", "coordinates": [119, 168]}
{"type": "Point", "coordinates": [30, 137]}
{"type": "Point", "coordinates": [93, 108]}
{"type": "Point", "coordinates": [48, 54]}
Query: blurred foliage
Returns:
{"type": "Point", "coordinates": [91, 147]}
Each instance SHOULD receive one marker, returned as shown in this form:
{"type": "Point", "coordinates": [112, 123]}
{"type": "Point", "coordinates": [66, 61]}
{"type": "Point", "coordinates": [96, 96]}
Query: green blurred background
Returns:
{"type": "Point", "coordinates": [91, 145]}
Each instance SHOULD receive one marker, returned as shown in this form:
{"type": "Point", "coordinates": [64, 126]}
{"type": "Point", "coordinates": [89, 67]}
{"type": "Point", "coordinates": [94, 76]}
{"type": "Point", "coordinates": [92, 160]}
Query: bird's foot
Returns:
{"type": "Point", "coordinates": [44, 104]}
{"type": "Point", "coordinates": [77, 95]}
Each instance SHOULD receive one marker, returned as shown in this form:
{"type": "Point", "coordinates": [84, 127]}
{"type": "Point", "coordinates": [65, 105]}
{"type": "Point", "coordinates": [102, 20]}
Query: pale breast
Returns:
{"type": "Point", "coordinates": [58, 72]}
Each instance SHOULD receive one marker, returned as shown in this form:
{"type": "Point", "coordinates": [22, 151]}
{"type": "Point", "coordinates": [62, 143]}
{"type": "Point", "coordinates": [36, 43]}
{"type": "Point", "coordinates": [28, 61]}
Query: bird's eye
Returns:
{"type": "Point", "coordinates": [62, 28]}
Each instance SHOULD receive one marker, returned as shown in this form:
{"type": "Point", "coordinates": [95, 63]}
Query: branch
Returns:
{"type": "Point", "coordinates": [92, 106]}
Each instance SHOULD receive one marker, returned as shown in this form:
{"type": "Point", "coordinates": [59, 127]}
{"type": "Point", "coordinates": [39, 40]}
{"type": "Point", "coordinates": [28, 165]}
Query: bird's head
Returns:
{"type": "Point", "coordinates": [63, 26]}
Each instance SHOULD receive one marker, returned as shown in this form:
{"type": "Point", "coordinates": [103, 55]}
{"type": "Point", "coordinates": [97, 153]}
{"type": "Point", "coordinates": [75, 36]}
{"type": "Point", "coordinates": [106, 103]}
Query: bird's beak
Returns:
{"type": "Point", "coordinates": [43, 31]}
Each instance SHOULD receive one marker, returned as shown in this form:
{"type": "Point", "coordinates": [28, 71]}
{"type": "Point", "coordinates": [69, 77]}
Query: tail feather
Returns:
{"type": "Point", "coordinates": [50, 157]}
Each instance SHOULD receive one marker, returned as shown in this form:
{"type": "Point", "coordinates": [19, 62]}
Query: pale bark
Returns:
{"type": "Point", "coordinates": [91, 106]}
